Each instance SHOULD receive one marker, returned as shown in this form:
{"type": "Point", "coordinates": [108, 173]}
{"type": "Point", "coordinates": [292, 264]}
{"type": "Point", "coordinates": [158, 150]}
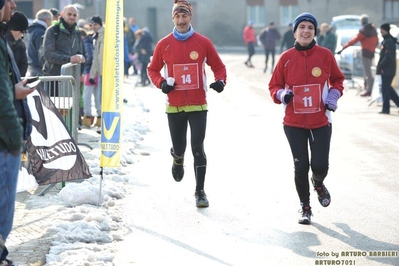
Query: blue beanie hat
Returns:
{"type": "Point", "coordinates": [305, 17]}
{"type": "Point", "coordinates": [2, 3]}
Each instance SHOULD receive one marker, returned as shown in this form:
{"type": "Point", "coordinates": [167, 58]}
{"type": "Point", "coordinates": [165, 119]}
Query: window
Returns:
{"type": "Point", "coordinates": [256, 11]}
{"type": "Point", "coordinates": [288, 13]}
{"type": "Point", "coordinates": [391, 9]}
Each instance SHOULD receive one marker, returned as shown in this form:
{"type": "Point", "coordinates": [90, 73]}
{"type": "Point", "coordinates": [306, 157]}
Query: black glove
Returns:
{"type": "Point", "coordinates": [339, 52]}
{"type": "Point", "coordinates": [166, 88]}
{"type": "Point", "coordinates": [92, 81]}
{"type": "Point", "coordinates": [288, 96]}
{"type": "Point", "coordinates": [285, 96]}
{"type": "Point", "coordinates": [218, 86]}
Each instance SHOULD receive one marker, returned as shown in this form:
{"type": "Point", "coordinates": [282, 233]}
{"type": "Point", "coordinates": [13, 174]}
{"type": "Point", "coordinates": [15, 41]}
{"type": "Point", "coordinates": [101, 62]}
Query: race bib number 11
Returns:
{"type": "Point", "coordinates": [307, 98]}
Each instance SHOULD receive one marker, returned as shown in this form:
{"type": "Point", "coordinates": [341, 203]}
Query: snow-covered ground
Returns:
{"type": "Point", "coordinates": [86, 227]}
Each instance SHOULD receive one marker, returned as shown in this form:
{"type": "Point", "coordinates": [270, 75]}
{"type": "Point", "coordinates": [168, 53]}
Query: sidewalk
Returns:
{"type": "Point", "coordinates": [28, 242]}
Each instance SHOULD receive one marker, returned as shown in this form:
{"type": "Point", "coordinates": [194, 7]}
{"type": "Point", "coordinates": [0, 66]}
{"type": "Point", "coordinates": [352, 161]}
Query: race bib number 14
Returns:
{"type": "Point", "coordinates": [186, 76]}
{"type": "Point", "coordinates": [307, 98]}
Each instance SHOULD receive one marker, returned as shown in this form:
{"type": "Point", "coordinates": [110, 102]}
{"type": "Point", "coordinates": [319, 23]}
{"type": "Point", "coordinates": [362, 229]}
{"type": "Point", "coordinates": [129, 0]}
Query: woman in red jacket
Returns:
{"type": "Point", "coordinates": [183, 55]}
{"type": "Point", "coordinates": [308, 81]}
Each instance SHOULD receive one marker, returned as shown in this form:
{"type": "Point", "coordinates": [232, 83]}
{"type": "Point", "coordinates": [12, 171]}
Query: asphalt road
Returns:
{"type": "Point", "coordinates": [252, 218]}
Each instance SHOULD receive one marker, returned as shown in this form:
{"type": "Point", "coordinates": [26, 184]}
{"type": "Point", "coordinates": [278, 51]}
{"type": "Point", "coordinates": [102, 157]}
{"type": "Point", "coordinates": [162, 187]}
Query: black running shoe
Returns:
{"type": "Point", "coordinates": [178, 169]}
{"type": "Point", "coordinates": [200, 199]}
{"type": "Point", "coordinates": [306, 213]}
{"type": "Point", "coordinates": [322, 193]}
{"type": "Point", "coordinates": [177, 166]}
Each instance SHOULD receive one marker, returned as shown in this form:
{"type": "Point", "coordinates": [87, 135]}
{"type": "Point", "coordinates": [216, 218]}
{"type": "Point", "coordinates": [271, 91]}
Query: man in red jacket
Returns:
{"type": "Point", "coordinates": [183, 55]}
{"type": "Point", "coordinates": [368, 39]}
{"type": "Point", "coordinates": [248, 35]}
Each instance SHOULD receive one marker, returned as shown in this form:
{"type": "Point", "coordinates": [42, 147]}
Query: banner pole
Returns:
{"type": "Point", "coordinates": [101, 184]}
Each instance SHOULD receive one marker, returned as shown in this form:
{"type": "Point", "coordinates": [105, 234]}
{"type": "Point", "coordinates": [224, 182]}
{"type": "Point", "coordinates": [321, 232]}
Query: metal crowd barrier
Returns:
{"type": "Point", "coordinates": [64, 92]}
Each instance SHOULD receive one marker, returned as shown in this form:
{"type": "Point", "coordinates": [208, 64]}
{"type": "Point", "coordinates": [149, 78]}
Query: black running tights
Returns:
{"type": "Point", "coordinates": [319, 142]}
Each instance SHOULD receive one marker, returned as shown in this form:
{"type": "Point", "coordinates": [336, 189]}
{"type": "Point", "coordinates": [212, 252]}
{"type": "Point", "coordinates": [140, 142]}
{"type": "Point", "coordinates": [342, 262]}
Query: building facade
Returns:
{"type": "Point", "coordinates": [224, 20]}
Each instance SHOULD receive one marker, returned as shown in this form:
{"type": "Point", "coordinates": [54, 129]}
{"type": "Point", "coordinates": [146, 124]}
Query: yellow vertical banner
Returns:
{"type": "Point", "coordinates": [112, 85]}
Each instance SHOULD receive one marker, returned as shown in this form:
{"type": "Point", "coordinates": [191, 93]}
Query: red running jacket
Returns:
{"type": "Point", "coordinates": [185, 61]}
{"type": "Point", "coordinates": [310, 74]}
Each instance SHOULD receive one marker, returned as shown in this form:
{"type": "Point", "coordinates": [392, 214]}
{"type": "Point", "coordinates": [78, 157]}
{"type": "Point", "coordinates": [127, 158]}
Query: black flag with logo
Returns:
{"type": "Point", "coordinates": [53, 153]}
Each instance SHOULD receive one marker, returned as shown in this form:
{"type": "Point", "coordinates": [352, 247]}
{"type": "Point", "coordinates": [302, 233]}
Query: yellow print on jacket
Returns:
{"type": "Point", "coordinates": [194, 55]}
{"type": "Point", "coordinates": [316, 72]}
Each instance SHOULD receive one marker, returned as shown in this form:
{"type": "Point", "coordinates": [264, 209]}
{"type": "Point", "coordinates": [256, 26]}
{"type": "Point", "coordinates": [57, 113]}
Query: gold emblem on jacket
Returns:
{"type": "Point", "coordinates": [194, 55]}
{"type": "Point", "coordinates": [316, 72]}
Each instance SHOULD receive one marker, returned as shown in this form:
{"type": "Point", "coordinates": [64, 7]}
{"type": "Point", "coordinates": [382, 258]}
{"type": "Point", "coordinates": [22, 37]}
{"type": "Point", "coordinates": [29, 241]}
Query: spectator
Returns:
{"type": "Point", "coordinates": [386, 67]}
{"type": "Point", "coordinates": [368, 39]}
{"type": "Point", "coordinates": [126, 50]}
{"type": "Point", "coordinates": [327, 37]}
{"type": "Point", "coordinates": [96, 70]}
{"type": "Point", "coordinates": [250, 41]}
{"type": "Point", "coordinates": [144, 50]}
{"type": "Point", "coordinates": [268, 37]}
{"type": "Point", "coordinates": [133, 25]}
{"type": "Point", "coordinates": [89, 90]}
{"type": "Point", "coordinates": [19, 65]}
{"type": "Point", "coordinates": [10, 136]}
{"type": "Point", "coordinates": [288, 39]}
{"type": "Point", "coordinates": [62, 44]}
{"type": "Point", "coordinates": [36, 33]}
{"type": "Point", "coordinates": [131, 39]}
{"type": "Point", "coordinates": [17, 26]}
{"type": "Point", "coordinates": [308, 72]}
{"type": "Point", "coordinates": [56, 14]}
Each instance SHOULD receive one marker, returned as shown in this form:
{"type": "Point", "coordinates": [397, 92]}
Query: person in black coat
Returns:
{"type": "Point", "coordinates": [17, 27]}
{"type": "Point", "coordinates": [288, 39]}
{"type": "Point", "coordinates": [386, 67]}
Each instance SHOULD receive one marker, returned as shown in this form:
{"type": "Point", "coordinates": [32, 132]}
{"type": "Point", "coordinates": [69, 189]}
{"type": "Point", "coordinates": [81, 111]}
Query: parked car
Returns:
{"type": "Point", "coordinates": [346, 22]}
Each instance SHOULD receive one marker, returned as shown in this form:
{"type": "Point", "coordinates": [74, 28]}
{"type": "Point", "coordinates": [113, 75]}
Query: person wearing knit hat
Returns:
{"type": "Point", "coordinates": [386, 67]}
{"type": "Point", "coordinates": [17, 26]}
{"type": "Point", "coordinates": [305, 17]}
{"type": "Point", "coordinates": [18, 22]}
{"type": "Point", "coordinates": [96, 19]}
{"type": "Point", "coordinates": [182, 55]}
{"type": "Point", "coordinates": [308, 82]}
{"type": "Point", "coordinates": [386, 27]}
